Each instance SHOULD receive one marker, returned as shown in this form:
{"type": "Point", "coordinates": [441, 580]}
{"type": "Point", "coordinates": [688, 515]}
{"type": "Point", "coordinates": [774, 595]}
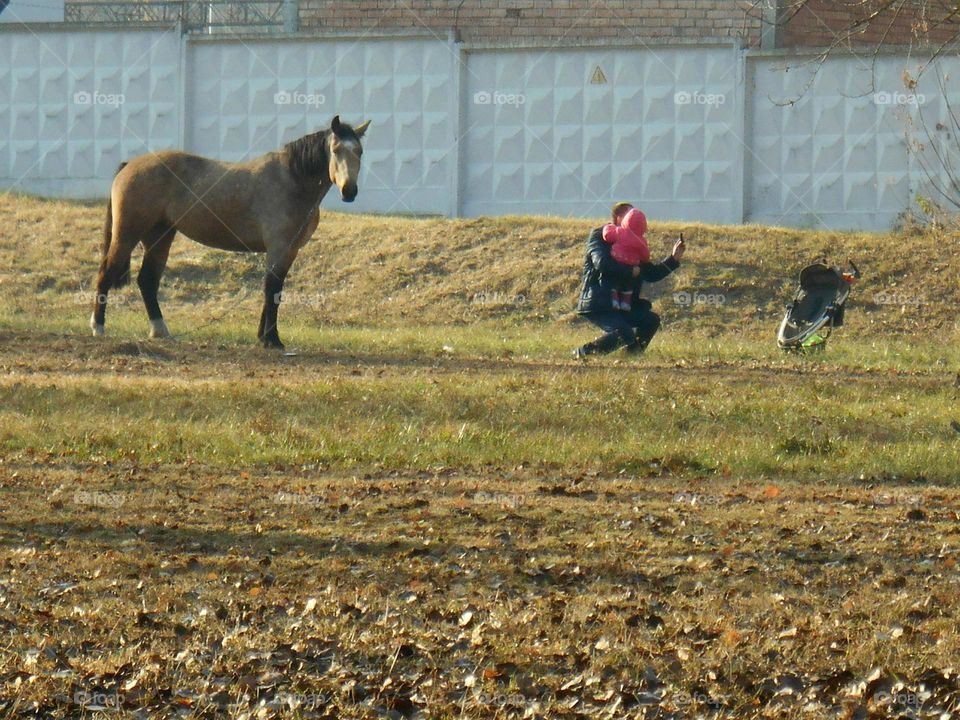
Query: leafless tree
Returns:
{"type": "Point", "coordinates": [926, 29]}
{"type": "Point", "coordinates": [932, 24]}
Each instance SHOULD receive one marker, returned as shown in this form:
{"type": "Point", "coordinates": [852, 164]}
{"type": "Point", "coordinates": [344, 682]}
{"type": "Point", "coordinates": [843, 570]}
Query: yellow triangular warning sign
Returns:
{"type": "Point", "coordinates": [598, 77]}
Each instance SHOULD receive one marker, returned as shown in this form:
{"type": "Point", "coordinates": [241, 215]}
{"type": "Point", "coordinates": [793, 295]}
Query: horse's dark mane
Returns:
{"type": "Point", "coordinates": [308, 155]}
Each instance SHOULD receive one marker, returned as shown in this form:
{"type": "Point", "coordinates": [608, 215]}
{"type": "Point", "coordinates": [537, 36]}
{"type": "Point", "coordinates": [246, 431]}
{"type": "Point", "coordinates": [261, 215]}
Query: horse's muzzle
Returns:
{"type": "Point", "coordinates": [349, 193]}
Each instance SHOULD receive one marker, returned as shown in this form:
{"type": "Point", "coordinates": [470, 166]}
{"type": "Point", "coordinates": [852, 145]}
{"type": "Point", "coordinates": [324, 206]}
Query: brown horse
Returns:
{"type": "Point", "coordinates": [269, 204]}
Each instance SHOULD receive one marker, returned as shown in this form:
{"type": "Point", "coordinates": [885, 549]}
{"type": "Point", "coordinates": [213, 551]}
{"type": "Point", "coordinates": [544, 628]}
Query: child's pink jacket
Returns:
{"type": "Point", "coordinates": [629, 238]}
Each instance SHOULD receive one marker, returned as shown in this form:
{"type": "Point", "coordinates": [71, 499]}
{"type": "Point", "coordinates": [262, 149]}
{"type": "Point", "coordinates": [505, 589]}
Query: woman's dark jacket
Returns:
{"type": "Point", "coordinates": [602, 275]}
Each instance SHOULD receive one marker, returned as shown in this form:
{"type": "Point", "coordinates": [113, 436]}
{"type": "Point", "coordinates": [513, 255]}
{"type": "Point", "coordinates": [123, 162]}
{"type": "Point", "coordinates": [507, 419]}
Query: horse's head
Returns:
{"type": "Point", "coordinates": [344, 151]}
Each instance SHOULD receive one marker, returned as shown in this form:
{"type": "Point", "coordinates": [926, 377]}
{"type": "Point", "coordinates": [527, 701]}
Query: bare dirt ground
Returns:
{"type": "Point", "coordinates": [186, 591]}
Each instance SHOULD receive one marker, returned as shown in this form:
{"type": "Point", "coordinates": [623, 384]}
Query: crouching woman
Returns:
{"type": "Point", "coordinates": [630, 328]}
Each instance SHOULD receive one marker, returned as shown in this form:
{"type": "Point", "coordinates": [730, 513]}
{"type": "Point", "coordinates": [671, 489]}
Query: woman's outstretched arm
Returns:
{"type": "Point", "coordinates": [654, 272]}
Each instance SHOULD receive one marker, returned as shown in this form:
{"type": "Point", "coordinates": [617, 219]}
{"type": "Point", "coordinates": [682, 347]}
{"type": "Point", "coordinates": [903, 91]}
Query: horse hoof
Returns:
{"type": "Point", "coordinates": [273, 344]}
{"type": "Point", "coordinates": [158, 329]}
{"type": "Point", "coordinates": [98, 330]}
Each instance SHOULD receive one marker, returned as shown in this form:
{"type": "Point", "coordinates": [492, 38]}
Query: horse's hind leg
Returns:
{"type": "Point", "coordinates": [114, 273]}
{"type": "Point", "coordinates": [156, 249]}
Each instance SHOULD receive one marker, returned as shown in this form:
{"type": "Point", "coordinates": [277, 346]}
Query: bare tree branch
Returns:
{"type": "Point", "coordinates": [929, 27]}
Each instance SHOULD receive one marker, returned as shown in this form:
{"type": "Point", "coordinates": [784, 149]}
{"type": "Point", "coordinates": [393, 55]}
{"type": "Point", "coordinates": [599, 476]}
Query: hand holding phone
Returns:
{"type": "Point", "coordinates": [679, 248]}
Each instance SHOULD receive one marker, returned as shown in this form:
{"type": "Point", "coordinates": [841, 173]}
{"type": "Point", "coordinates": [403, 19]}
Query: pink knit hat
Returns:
{"type": "Point", "coordinates": [629, 238]}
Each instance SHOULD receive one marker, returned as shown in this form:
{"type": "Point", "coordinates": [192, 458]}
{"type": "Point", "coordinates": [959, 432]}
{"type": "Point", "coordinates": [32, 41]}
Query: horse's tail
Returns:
{"type": "Point", "coordinates": [124, 277]}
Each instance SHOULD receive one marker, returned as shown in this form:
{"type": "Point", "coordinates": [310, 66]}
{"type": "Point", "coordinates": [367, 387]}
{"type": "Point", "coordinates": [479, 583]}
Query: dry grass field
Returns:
{"type": "Point", "coordinates": [430, 510]}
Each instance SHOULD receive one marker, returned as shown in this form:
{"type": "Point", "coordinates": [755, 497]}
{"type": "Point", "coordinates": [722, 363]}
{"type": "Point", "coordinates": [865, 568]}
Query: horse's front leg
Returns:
{"type": "Point", "coordinates": [279, 261]}
{"type": "Point", "coordinates": [272, 294]}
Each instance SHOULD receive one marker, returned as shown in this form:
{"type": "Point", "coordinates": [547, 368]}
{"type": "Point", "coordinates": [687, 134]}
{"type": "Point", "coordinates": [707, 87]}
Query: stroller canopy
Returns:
{"type": "Point", "coordinates": [819, 287]}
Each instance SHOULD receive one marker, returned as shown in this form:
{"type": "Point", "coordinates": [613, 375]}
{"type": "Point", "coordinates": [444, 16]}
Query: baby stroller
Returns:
{"type": "Point", "coordinates": [817, 307]}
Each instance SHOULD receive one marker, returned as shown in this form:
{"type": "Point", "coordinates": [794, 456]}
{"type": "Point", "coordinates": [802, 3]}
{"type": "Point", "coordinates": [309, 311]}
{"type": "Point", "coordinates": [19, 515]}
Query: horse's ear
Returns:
{"type": "Point", "coordinates": [361, 128]}
{"type": "Point", "coordinates": [335, 124]}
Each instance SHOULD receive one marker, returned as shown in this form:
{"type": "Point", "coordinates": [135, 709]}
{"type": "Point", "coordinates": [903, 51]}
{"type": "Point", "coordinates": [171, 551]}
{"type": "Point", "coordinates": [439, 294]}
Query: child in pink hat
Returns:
{"type": "Point", "coordinates": [628, 245]}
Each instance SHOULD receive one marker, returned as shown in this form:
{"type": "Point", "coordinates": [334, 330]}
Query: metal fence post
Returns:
{"type": "Point", "coordinates": [743, 99]}
{"type": "Point", "coordinates": [182, 89]}
{"type": "Point", "coordinates": [291, 16]}
{"type": "Point", "coordinates": [771, 31]}
{"type": "Point", "coordinates": [457, 67]}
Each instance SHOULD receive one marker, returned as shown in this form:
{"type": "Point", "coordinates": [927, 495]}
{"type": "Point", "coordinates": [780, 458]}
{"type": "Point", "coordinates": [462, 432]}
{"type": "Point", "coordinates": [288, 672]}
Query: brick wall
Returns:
{"type": "Point", "coordinates": [553, 20]}
{"type": "Point", "coordinates": [819, 23]}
